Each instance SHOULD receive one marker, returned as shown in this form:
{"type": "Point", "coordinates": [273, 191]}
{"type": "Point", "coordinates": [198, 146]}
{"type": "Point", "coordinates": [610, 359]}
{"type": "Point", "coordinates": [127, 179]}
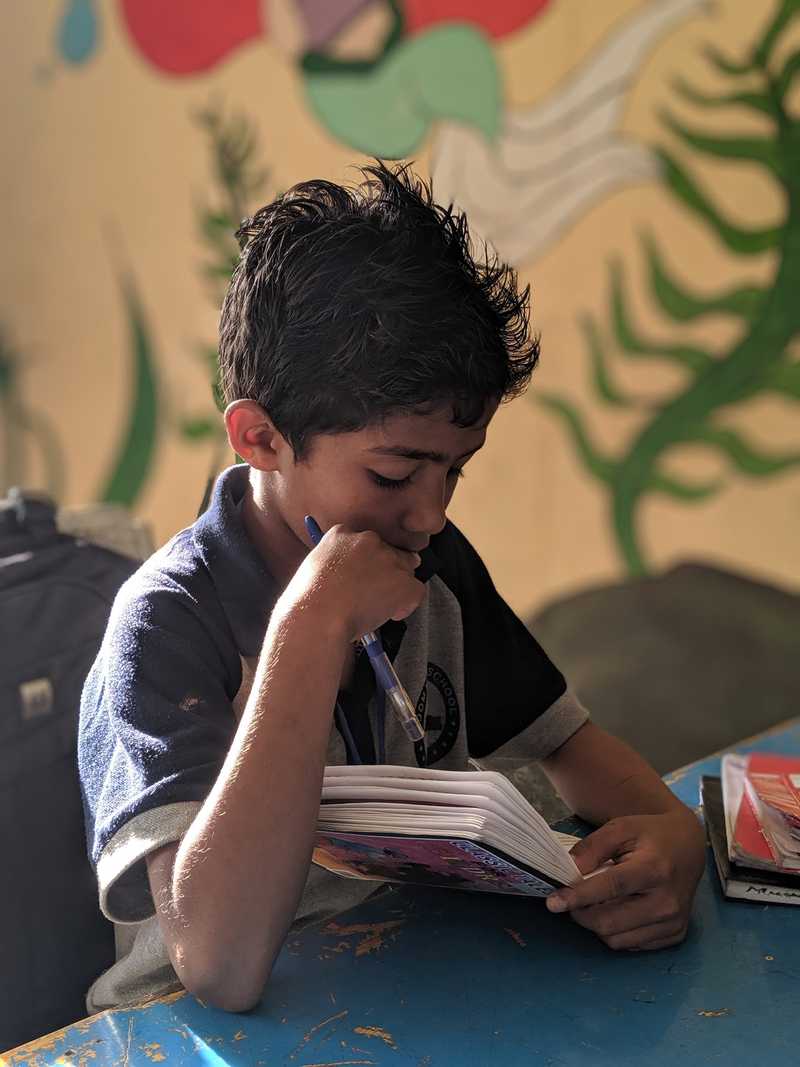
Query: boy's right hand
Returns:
{"type": "Point", "coordinates": [356, 580]}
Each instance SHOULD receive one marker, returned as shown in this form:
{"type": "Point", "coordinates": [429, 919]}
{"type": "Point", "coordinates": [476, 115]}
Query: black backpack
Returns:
{"type": "Point", "coordinates": [56, 593]}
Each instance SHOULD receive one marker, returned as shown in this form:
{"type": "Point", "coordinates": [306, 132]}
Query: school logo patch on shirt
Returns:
{"type": "Point", "coordinates": [439, 712]}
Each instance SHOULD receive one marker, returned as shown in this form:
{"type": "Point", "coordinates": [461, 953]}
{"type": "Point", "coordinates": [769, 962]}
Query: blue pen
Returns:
{"type": "Point", "coordinates": [396, 696]}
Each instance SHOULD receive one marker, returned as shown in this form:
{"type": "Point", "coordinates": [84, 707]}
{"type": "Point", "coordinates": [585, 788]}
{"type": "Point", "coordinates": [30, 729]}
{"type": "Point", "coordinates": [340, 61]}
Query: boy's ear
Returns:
{"type": "Point", "coordinates": [253, 435]}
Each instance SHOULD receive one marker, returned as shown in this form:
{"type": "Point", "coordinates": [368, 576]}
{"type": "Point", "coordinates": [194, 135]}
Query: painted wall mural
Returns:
{"type": "Point", "coordinates": [580, 155]}
{"type": "Point", "coordinates": [233, 149]}
{"type": "Point", "coordinates": [377, 73]}
{"type": "Point", "coordinates": [242, 181]}
{"type": "Point", "coordinates": [550, 163]}
{"type": "Point", "coordinates": [759, 357]}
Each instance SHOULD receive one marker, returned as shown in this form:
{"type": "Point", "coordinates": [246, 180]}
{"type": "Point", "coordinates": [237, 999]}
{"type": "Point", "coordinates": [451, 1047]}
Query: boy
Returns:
{"type": "Point", "coordinates": [363, 353]}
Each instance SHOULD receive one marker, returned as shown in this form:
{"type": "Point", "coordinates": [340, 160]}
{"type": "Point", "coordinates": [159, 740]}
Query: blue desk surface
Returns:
{"type": "Point", "coordinates": [432, 977]}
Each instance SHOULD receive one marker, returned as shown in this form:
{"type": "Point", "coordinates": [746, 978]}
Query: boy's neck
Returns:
{"type": "Point", "coordinates": [274, 540]}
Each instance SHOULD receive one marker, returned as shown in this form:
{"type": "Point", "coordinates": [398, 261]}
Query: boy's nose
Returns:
{"type": "Point", "coordinates": [426, 517]}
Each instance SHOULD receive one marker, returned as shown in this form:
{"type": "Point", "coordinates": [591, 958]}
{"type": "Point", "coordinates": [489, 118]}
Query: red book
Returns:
{"type": "Point", "coordinates": [761, 803]}
{"type": "Point", "coordinates": [776, 781]}
{"type": "Point", "coordinates": [771, 785]}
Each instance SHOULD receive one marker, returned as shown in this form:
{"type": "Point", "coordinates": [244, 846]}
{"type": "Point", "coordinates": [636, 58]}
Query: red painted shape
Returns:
{"type": "Point", "coordinates": [497, 18]}
{"type": "Point", "coordinates": [187, 36]}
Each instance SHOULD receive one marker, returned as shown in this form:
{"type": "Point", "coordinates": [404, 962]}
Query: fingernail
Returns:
{"type": "Point", "coordinates": [556, 902]}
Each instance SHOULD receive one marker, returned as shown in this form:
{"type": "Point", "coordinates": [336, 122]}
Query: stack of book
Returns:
{"type": "Point", "coordinates": [752, 816]}
{"type": "Point", "coordinates": [457, 829]}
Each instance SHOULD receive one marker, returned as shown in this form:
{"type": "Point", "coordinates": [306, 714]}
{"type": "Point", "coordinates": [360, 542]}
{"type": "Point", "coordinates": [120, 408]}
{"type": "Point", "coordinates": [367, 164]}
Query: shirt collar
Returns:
{"type": "Point", "coordinates": [244, 584]}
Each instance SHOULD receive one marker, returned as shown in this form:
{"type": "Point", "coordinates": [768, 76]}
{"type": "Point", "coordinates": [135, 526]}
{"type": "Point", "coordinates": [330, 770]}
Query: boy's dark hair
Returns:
{"type": "Point", "coordinates": [349, 305]}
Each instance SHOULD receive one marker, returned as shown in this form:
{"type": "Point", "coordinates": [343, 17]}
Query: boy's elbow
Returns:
{"type": "Point", "coordinates": [223, 993]}
{"type": "Point", "coordinates": [226, 998]}
{"type": "Point", "coordinates": [221, 984]}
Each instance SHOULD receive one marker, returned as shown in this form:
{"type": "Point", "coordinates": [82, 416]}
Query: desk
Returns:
{"type": "Point", "coordinates": [430, 978]}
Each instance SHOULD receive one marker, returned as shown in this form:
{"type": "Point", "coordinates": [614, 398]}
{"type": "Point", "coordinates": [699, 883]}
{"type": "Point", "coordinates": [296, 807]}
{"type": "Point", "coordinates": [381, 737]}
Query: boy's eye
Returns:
{"type": "Point", "coordinates": [400, 483]}
{"type": "Point", "coordinates": [389, 483]}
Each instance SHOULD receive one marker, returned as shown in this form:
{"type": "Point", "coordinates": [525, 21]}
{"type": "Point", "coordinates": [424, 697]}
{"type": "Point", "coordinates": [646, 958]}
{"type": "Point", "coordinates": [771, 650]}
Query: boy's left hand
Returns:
{"type": "Point", "coordinates": [643, 898]}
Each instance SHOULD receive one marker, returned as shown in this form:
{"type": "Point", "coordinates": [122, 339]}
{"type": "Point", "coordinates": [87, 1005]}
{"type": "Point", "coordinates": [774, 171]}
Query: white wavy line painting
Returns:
{"type": "Point", "coordinates": [555, 160]}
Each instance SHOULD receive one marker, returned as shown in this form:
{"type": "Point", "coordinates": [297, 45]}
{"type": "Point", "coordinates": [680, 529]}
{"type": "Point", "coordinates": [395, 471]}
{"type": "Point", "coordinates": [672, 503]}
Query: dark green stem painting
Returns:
{"type": "Point", "coordinates": [233, 152]}
{"type": "Point", "coordinates": [758, 361]}
{"type": "Point", "coordinates": [130, 467]}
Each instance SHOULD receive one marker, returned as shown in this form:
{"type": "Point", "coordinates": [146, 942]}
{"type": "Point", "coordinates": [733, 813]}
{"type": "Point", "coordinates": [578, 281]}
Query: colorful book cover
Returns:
{"type": "Point", "coordinates": [776, 781]}
{"type": "Point", "coordinates": [452, 863]}
{"type": "Point", "coordinates": [750, 837]}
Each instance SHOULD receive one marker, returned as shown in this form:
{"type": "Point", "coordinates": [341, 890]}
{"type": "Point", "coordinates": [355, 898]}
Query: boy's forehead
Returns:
{"type": "Point", "coordinates": [434, 433]}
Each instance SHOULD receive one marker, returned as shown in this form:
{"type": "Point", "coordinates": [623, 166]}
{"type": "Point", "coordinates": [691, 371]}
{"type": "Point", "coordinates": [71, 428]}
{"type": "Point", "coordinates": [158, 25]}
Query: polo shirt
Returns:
{"type": "Point", "coordinates": [161, 703]}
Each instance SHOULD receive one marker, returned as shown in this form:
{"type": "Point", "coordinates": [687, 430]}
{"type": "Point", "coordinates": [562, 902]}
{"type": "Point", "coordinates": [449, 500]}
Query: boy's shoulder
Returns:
{"type": "Point", "coordinates": [458, 564]}
{"type": "Point", "coordinates": [209, 575]}
{"type": "Point", "coordinates": [173, 590]}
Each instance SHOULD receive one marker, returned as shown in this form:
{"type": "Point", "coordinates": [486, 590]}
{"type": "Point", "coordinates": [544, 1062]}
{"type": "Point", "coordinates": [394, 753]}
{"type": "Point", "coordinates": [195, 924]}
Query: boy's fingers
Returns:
{"type": "Point", "coordinates": [603, 844]}
{"type": "Point", "coordinates": [615, 881]}
{"type": "Point", "coordinates": [608, 885]}
{"type": "Point", "coordinates": [619, 917]}
{"type": "Point", "coordinates": [412, 560]}
{"type": "Point", "coordinates": [649, 938]}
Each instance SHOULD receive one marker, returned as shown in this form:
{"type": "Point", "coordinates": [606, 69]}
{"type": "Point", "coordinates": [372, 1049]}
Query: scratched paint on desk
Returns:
{"type": "Point", "coordinates": [66, 1047]}
{"type": "Point", "coordinates": [376, 1031]}
{"type": "Point", "coordinates": [456, 987]}
{"type": "Point", "coordinates": [330, 1024]}
{"type": "Point", "coordinates": [376, 936]}
{"type": "Point", "coordinates": [515, 935]}
{"type": "Point", "coordinates": [448, 983]}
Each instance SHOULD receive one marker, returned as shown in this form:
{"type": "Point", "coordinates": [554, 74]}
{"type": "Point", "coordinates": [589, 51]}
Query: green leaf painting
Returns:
{"type": "Point", "coordinates": [131, 466]}
{"type": "Point", "coordinates": [758, 361]}
{"type": "Point", "coordinates": [239, 177]}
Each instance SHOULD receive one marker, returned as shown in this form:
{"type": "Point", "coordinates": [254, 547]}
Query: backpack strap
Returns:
{"type": "Point", "coordinates": [26, 520]}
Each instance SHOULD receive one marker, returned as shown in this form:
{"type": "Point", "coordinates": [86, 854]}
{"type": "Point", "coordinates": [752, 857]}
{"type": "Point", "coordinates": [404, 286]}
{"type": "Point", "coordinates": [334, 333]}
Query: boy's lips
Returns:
{"type": "Point", "coordinates": [413, 547]}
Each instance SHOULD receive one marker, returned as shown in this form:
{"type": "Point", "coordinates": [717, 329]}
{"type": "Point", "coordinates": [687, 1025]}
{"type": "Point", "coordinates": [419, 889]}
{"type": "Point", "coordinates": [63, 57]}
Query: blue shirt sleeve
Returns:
{"type": "Point", "coordinates": [156, 717]}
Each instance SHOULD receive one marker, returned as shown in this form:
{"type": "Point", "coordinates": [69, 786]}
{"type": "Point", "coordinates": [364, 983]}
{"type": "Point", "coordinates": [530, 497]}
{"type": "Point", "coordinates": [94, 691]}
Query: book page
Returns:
{"type": "Point", "coordinates": [483, 795]}
{"type": "Point", "coordinates": [482, 805]}
{"type": "Point", "coordinates": [360, 781]}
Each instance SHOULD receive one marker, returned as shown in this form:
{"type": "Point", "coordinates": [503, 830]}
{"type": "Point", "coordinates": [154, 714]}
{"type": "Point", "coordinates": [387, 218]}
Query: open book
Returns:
{"type": "Point", "coordinates": [461, 829]}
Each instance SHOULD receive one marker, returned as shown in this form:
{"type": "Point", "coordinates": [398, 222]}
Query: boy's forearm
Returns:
{"type": "Point", "coordinates": [240, 870]}
{"type": "Point", "coordinates": [600, 778]}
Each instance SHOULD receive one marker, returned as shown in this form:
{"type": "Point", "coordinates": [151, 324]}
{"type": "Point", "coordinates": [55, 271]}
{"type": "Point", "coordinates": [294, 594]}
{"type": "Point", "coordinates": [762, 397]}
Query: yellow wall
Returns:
{"type": "Point", "coordinates": [105, 170]}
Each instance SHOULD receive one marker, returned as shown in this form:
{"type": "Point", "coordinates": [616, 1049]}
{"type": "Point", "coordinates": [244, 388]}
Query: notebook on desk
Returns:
{"type": "Point", "coordinates": [741, 881]}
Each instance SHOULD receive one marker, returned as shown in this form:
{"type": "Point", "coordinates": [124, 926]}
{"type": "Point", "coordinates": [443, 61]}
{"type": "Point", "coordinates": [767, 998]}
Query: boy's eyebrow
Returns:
{"type": "Point", "coordinates": [404, 452]}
